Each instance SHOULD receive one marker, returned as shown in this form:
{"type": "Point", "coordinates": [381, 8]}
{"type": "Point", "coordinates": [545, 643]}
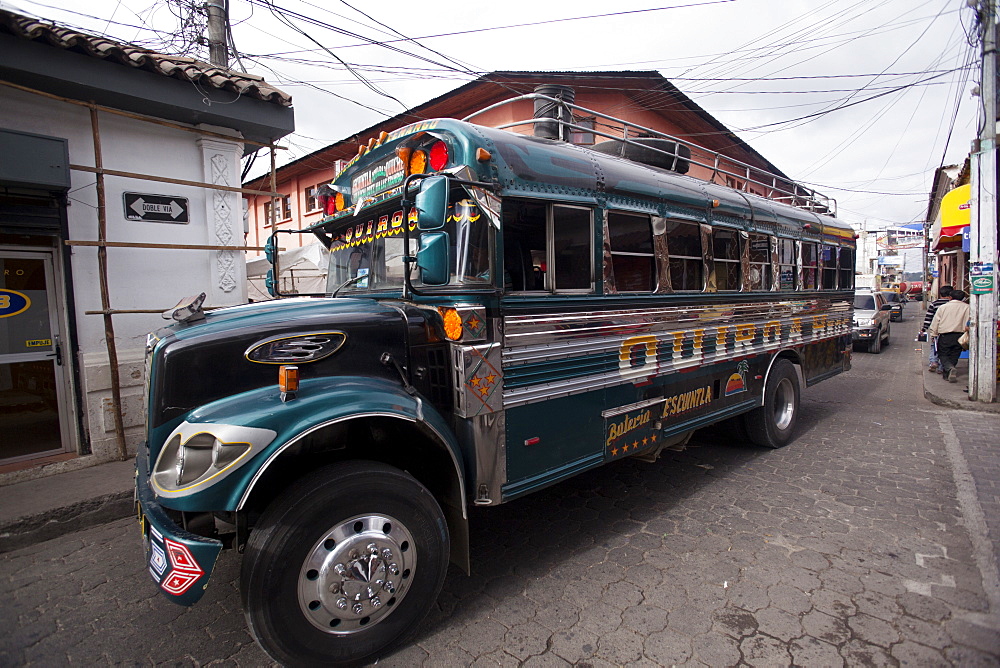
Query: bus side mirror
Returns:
{"type": "Point", "coordinates": [272, 288]}
{"type": "Point", "coordinates": [271, 248]}
{"type": "Point", "coordinates": [432, 258]}
{"type": "Point", "coordinates": [432, 203]}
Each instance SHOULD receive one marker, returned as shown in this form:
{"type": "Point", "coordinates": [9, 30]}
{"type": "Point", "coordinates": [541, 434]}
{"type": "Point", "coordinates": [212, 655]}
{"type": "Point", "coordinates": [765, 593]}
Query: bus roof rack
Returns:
{"type": "Point", "coordinates": [732, 173]}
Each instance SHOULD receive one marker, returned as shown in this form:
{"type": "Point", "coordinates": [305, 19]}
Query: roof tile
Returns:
{"type": "Point", "coordinates": [176, 67]}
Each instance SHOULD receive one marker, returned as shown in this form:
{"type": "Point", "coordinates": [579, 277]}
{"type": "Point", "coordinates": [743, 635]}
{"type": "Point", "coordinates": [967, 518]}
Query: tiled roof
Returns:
{"type": "Point", "coordinates": [177, 67]}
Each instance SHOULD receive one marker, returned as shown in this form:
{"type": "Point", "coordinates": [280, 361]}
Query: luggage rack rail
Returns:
{"type": "Point", "coordinates": [733, 173]}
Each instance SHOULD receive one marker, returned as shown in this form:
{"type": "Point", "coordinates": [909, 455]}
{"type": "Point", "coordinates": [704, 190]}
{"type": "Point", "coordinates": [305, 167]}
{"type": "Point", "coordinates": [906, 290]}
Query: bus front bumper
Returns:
{"type": "Point", "coordinates": [179, 562]}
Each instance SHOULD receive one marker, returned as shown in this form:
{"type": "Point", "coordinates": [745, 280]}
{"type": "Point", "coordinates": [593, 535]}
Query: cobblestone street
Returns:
{"type": "Point", "coordinates": [871, 540]}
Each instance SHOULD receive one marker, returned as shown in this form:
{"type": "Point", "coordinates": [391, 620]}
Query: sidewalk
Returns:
{"type": "Point", "coordinates": [952, 395]}
{"type": "Point", "coordinates": [37, 510]}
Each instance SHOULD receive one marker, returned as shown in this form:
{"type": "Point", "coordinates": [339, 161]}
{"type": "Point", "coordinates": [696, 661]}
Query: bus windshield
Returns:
{"type": "Point", "coordinates": [369, 248]}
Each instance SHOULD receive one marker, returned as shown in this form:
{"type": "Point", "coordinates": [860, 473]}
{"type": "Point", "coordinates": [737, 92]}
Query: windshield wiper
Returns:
{"type": "Point", "coordinates": [350, 281]}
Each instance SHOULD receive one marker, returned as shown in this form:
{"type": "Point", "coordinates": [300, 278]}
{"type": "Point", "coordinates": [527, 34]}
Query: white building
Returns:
{"type": "Point", "coordinates": [80, 113]}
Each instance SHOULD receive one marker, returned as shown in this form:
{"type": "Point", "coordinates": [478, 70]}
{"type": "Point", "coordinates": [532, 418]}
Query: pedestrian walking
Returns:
{"type": "Point", "coordinates": [932, 359]}
{"type": "Point", "coordinates": [949, 322]}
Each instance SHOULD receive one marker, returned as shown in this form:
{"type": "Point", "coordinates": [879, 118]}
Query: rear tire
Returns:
{"type": "Point", "coordinates": [343, 565]}
{"type": "Point", "coordinates": [772, 425]}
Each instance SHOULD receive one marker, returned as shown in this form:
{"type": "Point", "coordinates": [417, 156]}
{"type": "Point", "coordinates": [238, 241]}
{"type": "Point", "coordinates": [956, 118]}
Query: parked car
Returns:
{"type": "Point", "coordinates": [896, 300]}
{"type": "Point", "coordinates": [871, 320]}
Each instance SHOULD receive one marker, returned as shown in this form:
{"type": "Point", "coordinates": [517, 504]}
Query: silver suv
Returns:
{"type": "Point", "coordinates": [871, 320]}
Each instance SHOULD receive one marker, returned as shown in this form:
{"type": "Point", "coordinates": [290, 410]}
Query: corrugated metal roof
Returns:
{"type": "Point", "coordinates": [177, 67]}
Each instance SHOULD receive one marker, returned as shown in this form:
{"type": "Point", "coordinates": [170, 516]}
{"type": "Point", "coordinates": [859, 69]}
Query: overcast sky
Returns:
{"type": "Point", "coordinates": [860, 99]}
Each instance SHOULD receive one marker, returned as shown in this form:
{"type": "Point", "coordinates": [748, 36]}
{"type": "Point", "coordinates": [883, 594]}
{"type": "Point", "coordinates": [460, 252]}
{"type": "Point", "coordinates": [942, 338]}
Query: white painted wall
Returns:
{"type": "Point", "coordinates": [138, 278]}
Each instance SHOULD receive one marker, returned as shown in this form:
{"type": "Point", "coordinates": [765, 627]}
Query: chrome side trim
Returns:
{"type": "Point", "coordinates": [277, 453]}
{"type": "Point", "coordinates": [654, 342]}
{"type": "Point", "coordinates": [611, 412]}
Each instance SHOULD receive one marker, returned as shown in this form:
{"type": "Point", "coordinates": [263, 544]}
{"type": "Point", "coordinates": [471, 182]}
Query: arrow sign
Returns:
{"type": "Point", "coordinates": [156, 208]}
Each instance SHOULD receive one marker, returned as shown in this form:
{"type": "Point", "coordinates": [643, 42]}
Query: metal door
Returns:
{"type": "Point", "coordinates": [32, 394]}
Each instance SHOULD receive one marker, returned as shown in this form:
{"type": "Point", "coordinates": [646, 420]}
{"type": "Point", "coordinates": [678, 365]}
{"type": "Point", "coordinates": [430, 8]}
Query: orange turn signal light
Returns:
{"type": "Point", "coordinates": [418, 162]}
{"type": "Point", "coordinates": [288, 378]}
{"type": "Point", "coordinates": [452, 323]}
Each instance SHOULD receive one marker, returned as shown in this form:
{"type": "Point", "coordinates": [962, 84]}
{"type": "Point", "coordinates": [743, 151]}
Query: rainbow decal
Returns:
{"type": "Point", "coordinates": [735, 385]}
{"type": "Point", "coordinates": [737, 382]}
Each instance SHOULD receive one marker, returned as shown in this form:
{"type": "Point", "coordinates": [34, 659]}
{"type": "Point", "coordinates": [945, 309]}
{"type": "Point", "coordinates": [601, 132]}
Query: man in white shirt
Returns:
{"type": "Point", "coordinates": [950, 321]}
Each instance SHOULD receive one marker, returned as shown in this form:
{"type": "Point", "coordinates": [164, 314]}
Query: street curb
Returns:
{"type": "Point", "coordinates": [966, 405]}
{"type": "Point", "coordinates": [32, 529]}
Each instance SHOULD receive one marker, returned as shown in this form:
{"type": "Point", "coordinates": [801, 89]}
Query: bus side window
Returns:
{"type": "Point", "coordinates": [728, 254]}
{"type": "Point", "coordinates": [810, 280]}
{"type": "Point", "coordinates": [786, 264]}
{"type": "Point", "coordinates": [572, 248]}
{"type": "Point", "coordinates": [684, 248]}
{"type": "Point", "coordinates": [633, 263]}
{"type": "Point", "coordinates": [760, 263]}
{"type": "Point", "coordinates": [846, 268]}
{"type": "Point", "coordinates": [524, 247]}
{"type": "Point", "coordinates": [829, 267]}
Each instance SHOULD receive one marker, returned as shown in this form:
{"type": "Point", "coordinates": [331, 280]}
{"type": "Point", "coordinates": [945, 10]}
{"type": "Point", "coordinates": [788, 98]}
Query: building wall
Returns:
{"type": "Point", "coordinates": [138, 278]}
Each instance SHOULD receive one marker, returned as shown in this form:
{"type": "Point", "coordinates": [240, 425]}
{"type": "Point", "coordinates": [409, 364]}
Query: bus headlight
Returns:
{"type": "Point", "coordinates": [197, 455]}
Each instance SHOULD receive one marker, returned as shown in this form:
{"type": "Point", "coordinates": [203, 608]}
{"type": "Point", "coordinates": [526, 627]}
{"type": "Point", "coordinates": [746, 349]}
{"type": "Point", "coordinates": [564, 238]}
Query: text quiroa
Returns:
{"type": "Point", "coordinates": [647, 355]}
{"type": "Point", "coordinates": [370, 230]}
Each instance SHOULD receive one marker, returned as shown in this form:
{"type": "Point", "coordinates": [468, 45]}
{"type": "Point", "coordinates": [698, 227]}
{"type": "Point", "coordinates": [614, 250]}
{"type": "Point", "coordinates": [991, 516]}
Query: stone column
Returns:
{"type": "Point", "coordinates": [224, 221]}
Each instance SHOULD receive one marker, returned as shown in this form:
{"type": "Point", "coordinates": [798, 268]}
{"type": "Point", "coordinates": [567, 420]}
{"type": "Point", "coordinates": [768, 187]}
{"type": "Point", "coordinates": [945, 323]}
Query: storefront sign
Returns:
{"type": "Point", "coordinates": [982, 285]}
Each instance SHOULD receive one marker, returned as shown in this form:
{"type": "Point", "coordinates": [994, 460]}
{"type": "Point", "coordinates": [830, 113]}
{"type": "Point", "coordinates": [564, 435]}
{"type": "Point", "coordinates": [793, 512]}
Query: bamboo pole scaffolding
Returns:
{"type": "Point", "coordinates": [167, 179]}
{"type": "Point", "coordinates": [128, 244]}
{"type": "Point", "coordinates": [102, 263]}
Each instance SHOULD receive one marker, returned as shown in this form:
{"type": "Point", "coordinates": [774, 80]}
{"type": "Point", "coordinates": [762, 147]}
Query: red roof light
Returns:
{"type": "Point", "coordinates": [439, 156]}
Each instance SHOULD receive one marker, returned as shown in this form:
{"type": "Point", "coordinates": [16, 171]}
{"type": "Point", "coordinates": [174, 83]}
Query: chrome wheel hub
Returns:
{"type": "Point", "coordinates": [784, 404]}
{"type": "Point", "coordinates": [356, 573]}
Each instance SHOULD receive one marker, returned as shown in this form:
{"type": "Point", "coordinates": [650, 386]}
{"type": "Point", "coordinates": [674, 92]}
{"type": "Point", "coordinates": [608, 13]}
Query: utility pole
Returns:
{"type": "Point", "coordinates": [983, 224]}
{"type": "Point", "coordinates": [218, 52]}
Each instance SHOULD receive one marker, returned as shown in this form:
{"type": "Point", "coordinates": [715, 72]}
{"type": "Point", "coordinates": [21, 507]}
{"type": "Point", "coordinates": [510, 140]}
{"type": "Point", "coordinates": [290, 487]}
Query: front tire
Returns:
{"type": "Point", "coordinates": [343, 565]}
{"type": "Point", "coordinates": [875, 346]}
{"type": "Point", "coordinates": [772, 425]}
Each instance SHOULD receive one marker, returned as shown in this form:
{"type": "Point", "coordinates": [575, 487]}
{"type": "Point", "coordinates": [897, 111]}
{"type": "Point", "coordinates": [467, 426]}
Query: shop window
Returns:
{"type": "Point", "coordinates": [582, 136]}
{"type": "Point", "coordinates": [284, 209]}
{"type": "Point", "coordinates": [312, 201]}
{"type": "Point", "coordinates": [632, 258]}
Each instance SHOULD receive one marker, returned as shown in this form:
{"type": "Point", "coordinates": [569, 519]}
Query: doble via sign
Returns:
{"type": "Point", "coordinates": [156, 208]}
